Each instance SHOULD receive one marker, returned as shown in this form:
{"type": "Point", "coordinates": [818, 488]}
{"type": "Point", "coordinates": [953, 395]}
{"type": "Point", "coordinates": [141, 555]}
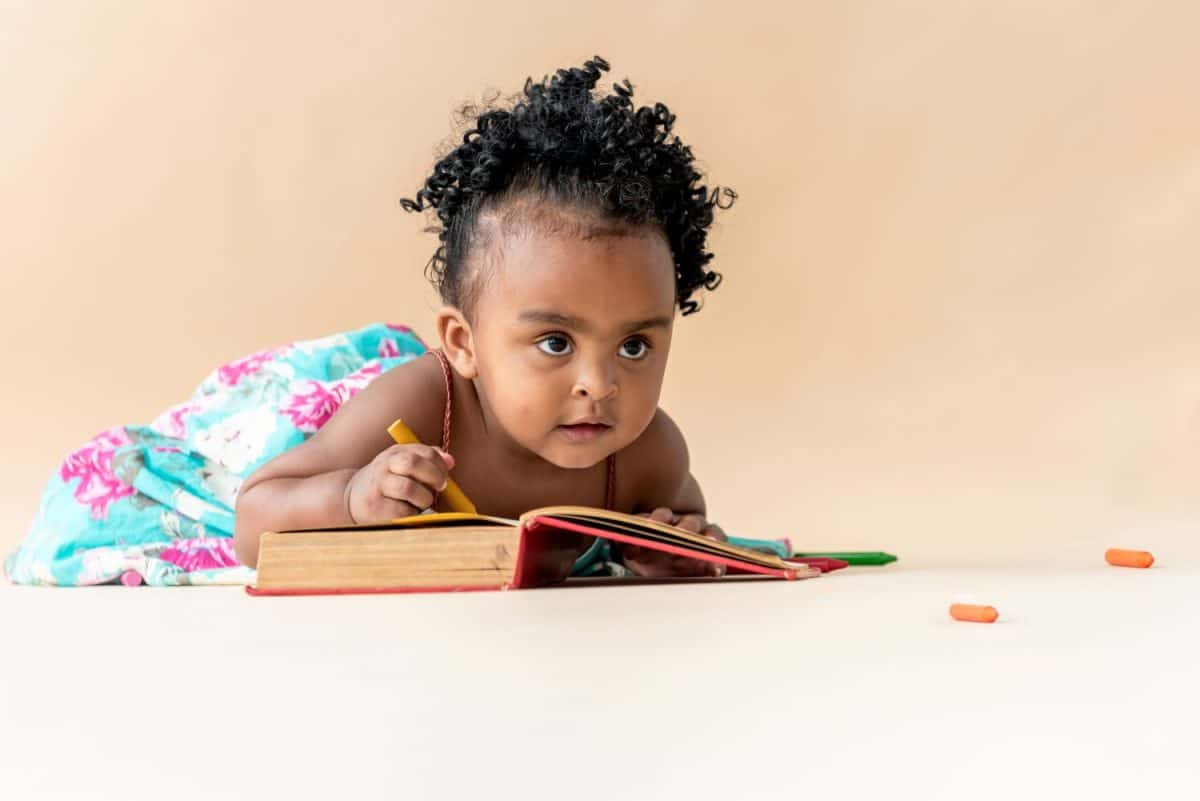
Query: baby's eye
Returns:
{"type": "Point", "coordinates": [635, 348]}
{"type": "Point", "coordinates": [555, 345]}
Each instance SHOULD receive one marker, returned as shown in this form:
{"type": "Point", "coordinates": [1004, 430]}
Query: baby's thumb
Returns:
{"type": "Point", "coordinates": [447, 458]}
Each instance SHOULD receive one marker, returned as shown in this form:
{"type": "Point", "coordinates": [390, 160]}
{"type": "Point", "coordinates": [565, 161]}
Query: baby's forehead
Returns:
{"type": "Point", "coordinates": [530, 252]}
{"type": "Point", "coordinates": [528, 216]}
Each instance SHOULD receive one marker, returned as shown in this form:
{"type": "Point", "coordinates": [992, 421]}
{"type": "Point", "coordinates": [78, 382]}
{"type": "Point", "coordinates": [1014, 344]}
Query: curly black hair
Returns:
{"type": "Point", "coordinates": [561, 144]}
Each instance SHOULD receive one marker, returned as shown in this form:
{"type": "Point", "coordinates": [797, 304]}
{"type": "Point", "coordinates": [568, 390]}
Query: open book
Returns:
{"type": "Point", "coordinates": [456, 551]}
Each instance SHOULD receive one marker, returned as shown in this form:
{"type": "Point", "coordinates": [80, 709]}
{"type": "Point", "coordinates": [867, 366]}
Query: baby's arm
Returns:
{"type": "Point", "coordinates": [306, 487]}
{"type": "Point", "coordinates": [668, 492]}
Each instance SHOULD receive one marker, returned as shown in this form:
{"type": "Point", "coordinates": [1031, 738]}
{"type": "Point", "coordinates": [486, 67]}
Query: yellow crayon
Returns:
{"type": "Point", "coordinates": [455, 497]}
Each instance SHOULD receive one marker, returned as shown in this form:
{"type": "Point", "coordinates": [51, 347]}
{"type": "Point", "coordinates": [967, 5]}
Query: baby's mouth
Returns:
{"type": "Point", "coordinates": [583, 432]}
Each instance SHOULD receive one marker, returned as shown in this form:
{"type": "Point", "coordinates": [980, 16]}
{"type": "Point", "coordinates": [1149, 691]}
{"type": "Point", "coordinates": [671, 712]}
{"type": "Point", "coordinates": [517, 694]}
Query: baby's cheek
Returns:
{"type": "Point", "coordinates": [525, 412]}
{"type": "Point", "coordinates": [641, 403]}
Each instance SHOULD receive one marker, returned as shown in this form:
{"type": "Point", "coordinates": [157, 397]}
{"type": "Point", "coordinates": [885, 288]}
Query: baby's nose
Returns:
{"type": "Point", "coordinates": [595, 386]}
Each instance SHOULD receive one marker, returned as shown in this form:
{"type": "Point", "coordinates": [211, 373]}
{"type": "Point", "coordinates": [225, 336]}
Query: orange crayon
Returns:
{"type": "Point", "coordinates": [1123, 558]}
{"type": "Point", "coordinates": [974, 614]}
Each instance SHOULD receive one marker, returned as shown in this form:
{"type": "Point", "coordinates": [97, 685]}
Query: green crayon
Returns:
{"type": "Point", "coordinates": [854, 557]}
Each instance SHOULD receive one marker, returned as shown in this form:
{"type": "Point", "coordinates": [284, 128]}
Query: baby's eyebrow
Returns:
{"type": "Point", "coordinates": [552, 318]}
{"type": "Point", "coordinates": [567, 321]}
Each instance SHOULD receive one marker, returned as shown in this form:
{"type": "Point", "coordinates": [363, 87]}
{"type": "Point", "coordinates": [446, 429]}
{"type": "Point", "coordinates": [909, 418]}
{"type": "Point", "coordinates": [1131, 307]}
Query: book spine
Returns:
{"type": "Point", "coordinates": [522, 570]}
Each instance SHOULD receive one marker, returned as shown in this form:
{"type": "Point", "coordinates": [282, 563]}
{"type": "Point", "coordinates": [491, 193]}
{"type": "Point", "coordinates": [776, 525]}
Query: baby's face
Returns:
{"type": "Point", "coordinates": [571, 340]}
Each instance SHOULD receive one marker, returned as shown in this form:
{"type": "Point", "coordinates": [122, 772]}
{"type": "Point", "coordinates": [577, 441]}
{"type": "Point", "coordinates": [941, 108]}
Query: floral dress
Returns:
{"type": "Point", "coordinates": [154, 503]}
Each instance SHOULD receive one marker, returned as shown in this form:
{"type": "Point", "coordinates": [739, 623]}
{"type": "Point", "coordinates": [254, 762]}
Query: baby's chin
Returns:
{"type": "Point", "coordinates": [576, 456]}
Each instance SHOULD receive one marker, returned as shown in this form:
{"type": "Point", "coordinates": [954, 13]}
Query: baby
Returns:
{"type": "Point", "coordinates": [572, 229]}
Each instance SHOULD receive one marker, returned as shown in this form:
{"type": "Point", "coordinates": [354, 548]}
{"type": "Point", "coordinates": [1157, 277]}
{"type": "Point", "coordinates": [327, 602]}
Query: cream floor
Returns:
{"type": "Point", "coordinates": [857, 685]}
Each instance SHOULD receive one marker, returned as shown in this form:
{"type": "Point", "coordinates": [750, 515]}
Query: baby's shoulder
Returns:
{"type": "Point", "coordinates": [416, 392]}
{"type": "Point", "coordinates": [657, 461]}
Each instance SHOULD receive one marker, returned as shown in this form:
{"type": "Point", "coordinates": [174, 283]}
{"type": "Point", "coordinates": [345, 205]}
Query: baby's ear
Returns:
{"type": "Point", "coordinates": [458, 340]}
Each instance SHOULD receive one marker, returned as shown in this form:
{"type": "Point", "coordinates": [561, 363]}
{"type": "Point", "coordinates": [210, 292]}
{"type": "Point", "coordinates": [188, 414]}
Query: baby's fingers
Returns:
{"type": "Point", "coordinates": [662, 515]}
{"type": "Point", "coordinates": [694, 523]}
{"type": "Point", "coordinates": [403, 488]}
{"type": "Point", "coordinates": [422, 463]}
{"type": "Point", "coordinates": [697, 524]}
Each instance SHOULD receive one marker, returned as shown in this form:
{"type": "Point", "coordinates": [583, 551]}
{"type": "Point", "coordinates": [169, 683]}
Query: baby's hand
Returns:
{"type": "Point", "coordinates": [650, 563]}
{"type": "Point", "coordinates": [400, 481]}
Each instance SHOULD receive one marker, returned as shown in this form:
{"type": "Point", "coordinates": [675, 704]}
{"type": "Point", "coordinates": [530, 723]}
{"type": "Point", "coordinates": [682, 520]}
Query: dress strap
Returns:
{"type": "Point", "coordinates": [441, 357]}
{"type": "Point", "coordinates": [442, 360]}
{"type": "Point", "coordinates": [610, 493]}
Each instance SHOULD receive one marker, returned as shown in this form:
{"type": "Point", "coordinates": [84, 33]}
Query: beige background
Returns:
{"type": "Point", "coordinates": [958, 316]}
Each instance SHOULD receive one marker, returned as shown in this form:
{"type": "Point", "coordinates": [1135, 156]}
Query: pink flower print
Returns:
{"type": "Point", "coordinates": [201, 553]}
{"type": "Point", "coordinates": [171, 423]}
{"type": "Point", "coordinates": [388, 349]}
{"type": "Point", "coordinates": [404, 329]}
{"type": "Point", "coordinates": [230, 374]}
{"type": "Point", "coordinates": [93, 466]}
{"type": "Point", "coordinates": [310, 410]}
